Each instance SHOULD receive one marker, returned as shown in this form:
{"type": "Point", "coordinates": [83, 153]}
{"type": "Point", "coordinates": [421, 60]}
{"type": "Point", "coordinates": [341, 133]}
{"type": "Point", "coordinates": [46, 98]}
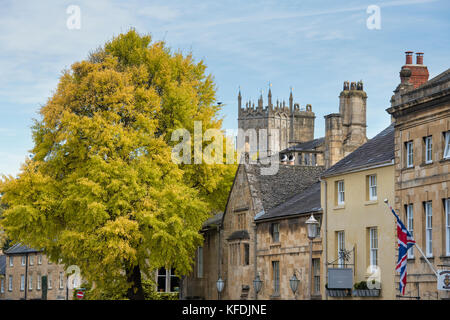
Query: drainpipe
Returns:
{"type": "Point", "coordinates": [26, 275]}
{"type": "Point", "coordinates": [325, 242]}
{"type": "Point", "coordinates": [256, 258]}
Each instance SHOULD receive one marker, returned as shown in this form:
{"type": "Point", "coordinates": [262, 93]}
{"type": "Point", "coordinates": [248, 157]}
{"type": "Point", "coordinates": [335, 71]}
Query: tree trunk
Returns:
{"type": "Point", "coordinates": [135, 292]}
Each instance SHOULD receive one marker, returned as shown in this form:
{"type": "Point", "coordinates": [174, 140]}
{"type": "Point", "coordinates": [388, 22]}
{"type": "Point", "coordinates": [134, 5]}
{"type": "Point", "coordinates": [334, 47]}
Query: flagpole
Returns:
{"type": "Point", "coordinates": [418, 248]}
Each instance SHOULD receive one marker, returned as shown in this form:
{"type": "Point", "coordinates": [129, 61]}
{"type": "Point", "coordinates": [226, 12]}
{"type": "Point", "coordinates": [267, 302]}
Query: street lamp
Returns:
{"type": "Point", "coordinates": [312, 226]}
{"type": "Point", "coordinates": [293, 282]}
{"type": "Point", "coordinates": [220, 284]}
{"type": "Point", "coordinates": [257, 284]}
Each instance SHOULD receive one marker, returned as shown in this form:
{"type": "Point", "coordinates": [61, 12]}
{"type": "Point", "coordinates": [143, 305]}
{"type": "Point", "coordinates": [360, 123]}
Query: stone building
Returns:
{"type": "Point", "coordinates": [259, 203]}
{"type": "Point", "coordinates": [295, 124]}
{"type": "Point", "coordinates": [358, 227]}
{"type": "Point", "coordinates": [344, 131]}
{"type": "Point", "coordinates": [2, 274]}
{"type": "Point", "coordinates": [23, 275]}
{"type": "Point", "coordinates": [252, 195]}
{"type": "Point", "coordinates": [283, 247]}
{"type": "Point", "coordinates": [420, 109]}
{"type": "Point", "coordinates": [201, 283]}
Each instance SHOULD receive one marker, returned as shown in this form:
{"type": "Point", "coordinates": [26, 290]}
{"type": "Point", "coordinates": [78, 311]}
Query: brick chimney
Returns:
{"type": "Point", "coordinates": [419, 72]}
{"type": "Point", "coordinates": [409, 57]}
{"type": "Point", "coordinates": [419, 57]}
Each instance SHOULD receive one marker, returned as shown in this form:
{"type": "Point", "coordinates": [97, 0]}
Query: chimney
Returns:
{"type": "Point", "coordinates": [417, 74]}
{"type": "Point", "coordinates": [419, 57]}
{"type": "Point", "coordinates": [409, 57]}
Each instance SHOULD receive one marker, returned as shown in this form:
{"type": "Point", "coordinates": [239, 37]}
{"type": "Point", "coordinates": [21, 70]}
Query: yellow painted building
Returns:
{"type": "Point", "coordinates": [359, 229]}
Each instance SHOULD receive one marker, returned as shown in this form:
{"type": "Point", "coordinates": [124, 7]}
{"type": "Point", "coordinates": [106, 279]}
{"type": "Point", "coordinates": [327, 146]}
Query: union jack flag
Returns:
{"type": "Point", "coordinates": [405, 241]}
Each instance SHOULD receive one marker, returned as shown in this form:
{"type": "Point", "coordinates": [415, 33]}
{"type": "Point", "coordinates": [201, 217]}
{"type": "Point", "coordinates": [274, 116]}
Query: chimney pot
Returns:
{"type": "Point", "coordinates": [419, 57]}
{"type": "Point", "coordinates": [409, 57]}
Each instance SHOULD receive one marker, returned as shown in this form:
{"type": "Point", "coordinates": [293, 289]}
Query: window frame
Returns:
{"type": "Point", "coordinates": [428, 148]}
{"type": "Point", "coordinates": [22, 282]}
{"type": "Point", "coordinates": [246, 259]}
{"type": "Point", "coordinates": [313, 159]}
{"type": "Point", "coordinates": [307, 162]}
{"type": "Point", "coordinates": [276, 226]}
{"type": "Point", "coordinates": [446, 153]}
{"type": "Point", "coordinates": [447, 225]}
{"type": "Point", "coordinates": [49, 281]}
{"type": "Point", "coordinates": [23, 260]}
{"type": "Point", "coordinates": [316, 275]}
{"type": "Point", "coordinates": [276, 277]}
{"type": "Point", "coordinates": [340, 247]}
{"type": "Point", "coordinates": [30, 282]}
{"type": "Point", "coordinates": [168, 276]}
{"type": "Point", "coordinates": [10, 283]}
{"type": "Point", "coordinates": [199, 262]}
{"type": "Point", "coordinates": [428, 206]}
{"type": "Point", "coordinates": [410, 226]}
{"type": "Point", "coordinates": [409, 154]}
{"type": "Point", "coordinates": [11, 261]}
{"type": "Point", "coordinates": [373, 186]}
{"type": "Point", "coordinates": [373, 248]}
{"type": "Point", "coordinates": [38, 282]}
{"type": "Point", "coordinates": [61, 280]}
{"type": "Point", "coordinates": [340, 192]}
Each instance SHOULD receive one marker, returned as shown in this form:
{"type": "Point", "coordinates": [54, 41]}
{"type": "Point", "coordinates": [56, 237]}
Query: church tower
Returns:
{"type": "Point", "coordinates": [293, 123]}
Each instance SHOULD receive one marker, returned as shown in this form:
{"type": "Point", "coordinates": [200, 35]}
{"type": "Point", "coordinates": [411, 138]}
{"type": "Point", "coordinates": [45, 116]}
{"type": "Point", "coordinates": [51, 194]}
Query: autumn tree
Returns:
{"type": "Point", "coordinates": [100, 190]}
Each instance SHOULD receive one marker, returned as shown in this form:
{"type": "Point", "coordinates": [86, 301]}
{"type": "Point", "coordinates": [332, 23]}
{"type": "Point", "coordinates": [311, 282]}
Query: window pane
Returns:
{"type": "Point", "coordinates": [409, 154]}
{"type": "Point", "coordinates": [162, 280]}
{"type": "Point", "coordinates": [429, 226]}
{"type": "Point", "coordinates": [276, 276]}
{"type": "Point", "coordinates": [428, 149]}
{"type": "Point", "coordinates": [341, 247]}
{"type": "Point", "coordinates": [447, 145]}
{"type": "Point", "coordinates": [246, 254]}
{"type": "Point", "coordinates": [174, 282]}
{"type": "Point", "coordinates": [447, 219]}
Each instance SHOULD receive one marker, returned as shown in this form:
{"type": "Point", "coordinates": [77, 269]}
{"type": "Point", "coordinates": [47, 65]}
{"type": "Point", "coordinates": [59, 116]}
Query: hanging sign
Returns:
{"type": "Point", "coordinates": [443, 282]}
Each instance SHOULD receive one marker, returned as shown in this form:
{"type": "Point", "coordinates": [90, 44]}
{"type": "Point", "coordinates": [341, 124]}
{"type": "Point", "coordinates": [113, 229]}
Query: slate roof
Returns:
{"type": "Point", "coordinates": [18, 248]}
{"type": "Point", "coordinates": [2, 264]}
{"type": "Point", "coordinates": [214, 220]}
{"type": "Point", "coordinates": [240, 234]}
{"type": "Point", "coordinates": [378, 150]}
{"type": "Point", "coordinates": [304, 202]}
{"type": "Point", "coordinates": [306, 146]}
{"type": "Point", "coordinates": [443, 76]}
{"type": "Point", "coordinates": [271, 190]}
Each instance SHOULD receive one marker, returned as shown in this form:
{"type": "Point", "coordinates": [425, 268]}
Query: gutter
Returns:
{"type": "Point", "coordinates": [288, 216]}
{"type": "Point", "coordinates": [358, 169]}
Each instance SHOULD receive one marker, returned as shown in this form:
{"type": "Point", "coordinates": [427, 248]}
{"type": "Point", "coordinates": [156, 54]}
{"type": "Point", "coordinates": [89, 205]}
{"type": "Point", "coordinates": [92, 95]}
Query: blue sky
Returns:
{"type": "Point", "coordinates": [312, 46]}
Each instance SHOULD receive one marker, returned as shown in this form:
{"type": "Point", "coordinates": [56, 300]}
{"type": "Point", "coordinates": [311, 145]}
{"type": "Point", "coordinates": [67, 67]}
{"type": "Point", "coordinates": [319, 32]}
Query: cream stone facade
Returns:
{"type": "Point", "coordinates": [358, 222]}
{"type": "Point", "coordinates": [422, 176]}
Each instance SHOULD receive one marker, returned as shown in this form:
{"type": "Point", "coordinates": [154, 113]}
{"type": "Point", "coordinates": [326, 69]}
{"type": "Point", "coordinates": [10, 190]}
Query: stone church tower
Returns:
{"type": "Point", "coordinates": [294, 123]}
